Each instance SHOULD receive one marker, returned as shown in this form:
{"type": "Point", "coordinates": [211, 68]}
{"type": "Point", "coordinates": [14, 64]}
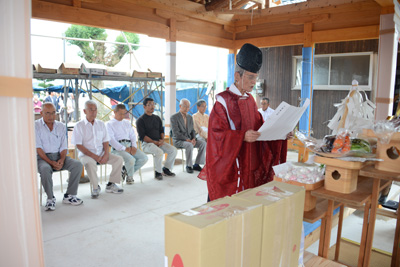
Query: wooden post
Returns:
{"type": "Point", "coordinates": [20, 225]}
{"type": "Point", "coordinates": [170, 76]}
{"type": "Point", "coordinates": [388, 41]}
{"type": "Point", "coordinates": [371, 221]}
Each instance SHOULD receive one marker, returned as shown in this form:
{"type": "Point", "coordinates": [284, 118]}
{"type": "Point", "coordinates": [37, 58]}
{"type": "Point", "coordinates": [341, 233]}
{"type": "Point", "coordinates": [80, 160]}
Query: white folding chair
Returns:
{"type": "Point", "coordinates": [61, 184]}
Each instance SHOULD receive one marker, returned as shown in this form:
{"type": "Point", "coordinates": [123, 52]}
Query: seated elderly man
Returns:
{"type": "Point", "coordinates": [184, 136]}
{"type": "Point", "coordinates": [265, 109]}
{"type": "Point", "coordinates": [51, 148]}
{"type": "Point", "coordinates": [91, 138]}
{"type": "Point", "coordinates": [151, 133]}
{"type": "Point", "coordinates": [123, 142]}
{"type": "Point", "coordinates": [201, 120]}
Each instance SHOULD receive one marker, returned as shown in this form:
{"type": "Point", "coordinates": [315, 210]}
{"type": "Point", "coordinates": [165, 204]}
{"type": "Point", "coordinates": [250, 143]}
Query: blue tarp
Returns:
{"type": "Point", "coordinates": [59, 89]}
{"type": "Point", "coordinates": [120, 93]}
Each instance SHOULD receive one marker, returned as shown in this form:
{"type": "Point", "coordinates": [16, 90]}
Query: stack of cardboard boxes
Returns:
{"type": "Point", "coordinates": [257, 227]}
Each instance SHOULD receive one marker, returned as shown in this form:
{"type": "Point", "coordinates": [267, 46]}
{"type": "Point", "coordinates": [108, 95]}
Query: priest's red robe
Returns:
{"type": "Point", "coordinates": [233, 165]}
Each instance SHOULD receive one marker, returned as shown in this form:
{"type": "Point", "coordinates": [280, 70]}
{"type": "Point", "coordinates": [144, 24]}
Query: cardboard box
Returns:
{"type": "Point", "coordinates": [69, 68]}
{"type": "Point", "coordinates": [94, 69]}
{"type": "Point", "coordinates": [283, 206]}
{"type": "Point", "coordinates": [44, 69]}
{"type": "Point", "coordinates": [225, 232]}
{"type": "Point", "coordinates": [139, 74]}
{"type": "Point", "coordinates": [111, 71]}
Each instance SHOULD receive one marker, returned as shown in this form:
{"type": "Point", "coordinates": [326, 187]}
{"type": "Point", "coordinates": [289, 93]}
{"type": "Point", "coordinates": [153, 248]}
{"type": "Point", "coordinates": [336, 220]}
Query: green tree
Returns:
{"type": "Point", "coordinates": [94, 52]}
{"type": "Point", "coordinates": [45, 83]}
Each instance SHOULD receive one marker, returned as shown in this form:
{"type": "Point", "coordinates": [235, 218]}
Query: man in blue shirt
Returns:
{"type": "Point", "coordinates": [51, 148]}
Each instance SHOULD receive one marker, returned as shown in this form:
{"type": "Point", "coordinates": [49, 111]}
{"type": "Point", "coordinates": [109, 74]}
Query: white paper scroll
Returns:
{"type": "Point", "coordinates": [282, 121]}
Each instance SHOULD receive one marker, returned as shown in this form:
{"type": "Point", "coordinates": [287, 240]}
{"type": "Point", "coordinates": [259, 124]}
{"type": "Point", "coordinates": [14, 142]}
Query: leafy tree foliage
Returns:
{"type": "Point", "coordinates": [45, 83]}
{"type": "Point", "coordinates": [94, 52]}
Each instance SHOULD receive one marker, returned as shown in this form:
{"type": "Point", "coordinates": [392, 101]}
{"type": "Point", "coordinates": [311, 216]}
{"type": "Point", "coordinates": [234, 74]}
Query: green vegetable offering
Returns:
{"type": "Point", "coordinates": [360, 145]}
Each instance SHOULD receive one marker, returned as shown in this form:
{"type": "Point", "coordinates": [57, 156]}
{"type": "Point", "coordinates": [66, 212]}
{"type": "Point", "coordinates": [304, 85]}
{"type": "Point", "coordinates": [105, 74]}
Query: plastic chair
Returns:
{"type": "Point", "coordinates": [139, 145]}
{"type": "Point", "coordinates": [179, 148]}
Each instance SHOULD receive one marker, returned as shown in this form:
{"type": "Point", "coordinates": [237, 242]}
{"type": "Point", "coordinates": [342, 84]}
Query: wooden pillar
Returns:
{"type": "Point", "coordinates": [20, 225]}
{"type": "Point", "coordinates": [307, 77]}
{"type": "Point", "coordinates": [170, 76]}
{"type": "Point", "coordinates": [388, 39]}
{"type": "Point", "coordinates": [231, 66]}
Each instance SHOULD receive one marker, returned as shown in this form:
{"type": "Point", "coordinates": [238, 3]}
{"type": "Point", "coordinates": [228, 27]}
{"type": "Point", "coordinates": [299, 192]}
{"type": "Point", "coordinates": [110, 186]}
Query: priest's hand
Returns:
{"type": "Point", "coordinates": [251, 136]}
{"type": "Point", "coordinates": [289, 135]}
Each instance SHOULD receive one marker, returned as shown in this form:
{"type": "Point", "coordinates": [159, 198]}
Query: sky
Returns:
{"type": "Point", "coordinates": [194, 62]}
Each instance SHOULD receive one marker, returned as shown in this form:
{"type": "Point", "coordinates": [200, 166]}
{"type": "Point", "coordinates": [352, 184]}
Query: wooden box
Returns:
{"type": "Point", "coordinates": [69, 68]}
{"type": "Point", "coordinates": [139, 74]}
{"type": "Point", "coordinates": [310, 201]}
{"type": "Point", "coordinates": [44, 69]}
{"type": "Point", "coordinates": [340, 176]}
{"type": "Point", "coordinates": [390, 155]}
{"type": "Point", "coordinates": [154, 75]}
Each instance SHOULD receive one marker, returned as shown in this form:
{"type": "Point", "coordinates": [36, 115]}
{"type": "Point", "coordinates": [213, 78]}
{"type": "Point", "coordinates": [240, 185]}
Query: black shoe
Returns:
{"type": "Point", "coordinates": [158, 176]}
{"type": "Point", "coordinates": [189, 169]}
{"type": "Point", "coordinates": [197, 167]}
{"type": "Point", "coordinates": [167, 172]}
{"type": "Point", "coordinates": [382, 200]}
{"type": "Point", "coordinates": [124, 173]}
{"type": "Point", "coordinates": [390, 204]}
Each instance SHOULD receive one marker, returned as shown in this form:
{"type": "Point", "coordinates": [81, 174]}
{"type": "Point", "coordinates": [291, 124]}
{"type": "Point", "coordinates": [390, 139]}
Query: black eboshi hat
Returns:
{"type": "Point", "coordinates": [249, 58]}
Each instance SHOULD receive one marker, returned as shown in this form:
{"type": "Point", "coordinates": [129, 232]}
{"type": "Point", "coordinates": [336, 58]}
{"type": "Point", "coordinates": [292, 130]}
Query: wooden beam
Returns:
{"type": "Point", "coordinates": [240, 29]}
{"type": "Point", "coordinates": [308, 8]}
{"type": "Point", "coordinates": [184, 7]}
{"type": "Point", "coordinates": [387, 10]}
{"type": "Point", "coordinates": [234, 29]}
{"type": "Point", "coordinates": [168, 15]}
{"type": "Point", "coordinates": [238, 11]}
{"type": "Point", "coordinates": [338, 35]}
{"type": "Point", "coordinates": [172, 30]}
{"type": "Point", "coordinates": [69, 14]}
{"type": "Point", "coordinates": [216, 4]}
{"type": "Point", "coordinates": [197, 38]}
{"type": "Point", "coordinates": [385, 3]}
{"type": "Point", "coordinates": [76, 3]}
{"type": "Point", "coordinates": [308, 42]}
{"type": "Point", "coordinates": [309, 19]}
{"type": "Point", "coordinates": [347, 34]}
{"type": "Point", "coordinates": [271, 41]}
{"type": "Point", "coordinates": [228, 28]}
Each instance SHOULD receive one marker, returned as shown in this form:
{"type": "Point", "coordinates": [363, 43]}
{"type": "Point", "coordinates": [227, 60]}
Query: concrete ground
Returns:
{"type": "Point", "coordinates": [128, 229]}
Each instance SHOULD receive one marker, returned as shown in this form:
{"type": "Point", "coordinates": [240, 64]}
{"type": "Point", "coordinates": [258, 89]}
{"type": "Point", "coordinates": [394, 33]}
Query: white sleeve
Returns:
{"type": "Point", "coordinates": [221, 100]}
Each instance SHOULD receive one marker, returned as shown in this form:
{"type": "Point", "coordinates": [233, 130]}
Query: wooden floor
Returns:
{"type": "Point", "coordinates": [311, 260]}
{"type": "Point", "coordinates": [349, 251]}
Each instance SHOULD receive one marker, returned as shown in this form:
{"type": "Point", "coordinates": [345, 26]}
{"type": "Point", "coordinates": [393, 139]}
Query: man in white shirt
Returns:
{"type": "Point", "coordinates": [51, 148]}
{"type": "Point", "coordinates": [123, 142]}
{"type": "Point", "coordinates": [91, 138]}
{"type": "Point", "coordinates": [265, 110]}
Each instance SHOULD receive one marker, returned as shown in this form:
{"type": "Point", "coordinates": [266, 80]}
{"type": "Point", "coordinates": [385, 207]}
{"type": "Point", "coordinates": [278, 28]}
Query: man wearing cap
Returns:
{"type": "Point", "coordinates": [235, 160]}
